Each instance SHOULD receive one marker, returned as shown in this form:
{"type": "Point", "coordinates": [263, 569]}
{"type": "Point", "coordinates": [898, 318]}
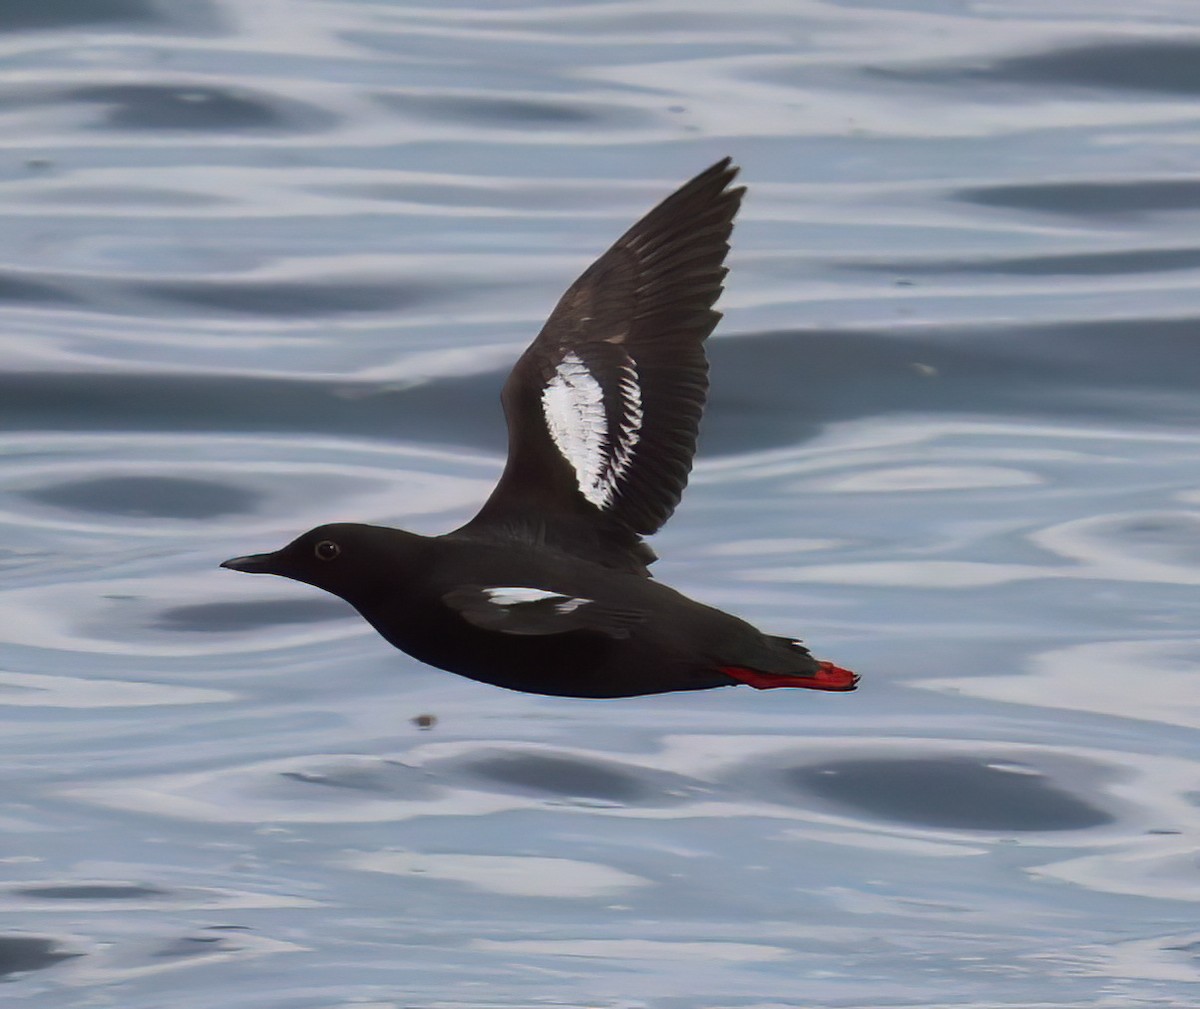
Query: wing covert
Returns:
{"type": "Point", "coordinates": [527, 611]}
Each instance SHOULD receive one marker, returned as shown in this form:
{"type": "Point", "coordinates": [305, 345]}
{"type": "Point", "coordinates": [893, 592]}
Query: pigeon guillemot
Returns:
{"type": "Point", "coordinates": [547, 590]}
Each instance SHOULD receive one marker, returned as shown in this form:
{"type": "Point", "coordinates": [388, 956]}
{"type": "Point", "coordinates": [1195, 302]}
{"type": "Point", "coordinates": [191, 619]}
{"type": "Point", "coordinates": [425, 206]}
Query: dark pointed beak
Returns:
{"type": "Point", "coordinates": [255, 564]}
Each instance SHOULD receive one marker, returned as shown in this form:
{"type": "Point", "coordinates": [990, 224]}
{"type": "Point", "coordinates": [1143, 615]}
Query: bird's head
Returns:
{"type": "Point", "coordinates": [350, 560]}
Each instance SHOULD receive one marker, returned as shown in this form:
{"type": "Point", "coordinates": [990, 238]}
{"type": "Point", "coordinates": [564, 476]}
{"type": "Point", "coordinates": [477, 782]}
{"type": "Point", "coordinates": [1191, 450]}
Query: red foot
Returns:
{"type": "Point", "coordinates": [827, 677]}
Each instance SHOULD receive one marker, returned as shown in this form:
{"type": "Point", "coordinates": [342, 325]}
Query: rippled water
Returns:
{"type": "Point", "coordinates": [266, 264]}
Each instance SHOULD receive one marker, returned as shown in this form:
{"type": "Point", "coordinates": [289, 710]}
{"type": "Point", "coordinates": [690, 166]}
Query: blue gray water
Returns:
{"type": "Point", "coordinates": [265, 264]}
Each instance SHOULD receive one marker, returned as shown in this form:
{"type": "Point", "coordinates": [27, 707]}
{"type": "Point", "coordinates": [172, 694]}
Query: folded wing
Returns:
{"type": "Point", "coordinates": [523, 610]}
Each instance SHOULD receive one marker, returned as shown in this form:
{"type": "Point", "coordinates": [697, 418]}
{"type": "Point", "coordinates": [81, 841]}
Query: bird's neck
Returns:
{"type": "Point", "coordinates": [398, 565]}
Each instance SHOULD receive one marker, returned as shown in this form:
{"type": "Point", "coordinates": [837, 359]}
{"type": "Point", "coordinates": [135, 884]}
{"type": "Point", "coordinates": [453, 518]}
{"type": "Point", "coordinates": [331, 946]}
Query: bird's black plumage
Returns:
{"type": "Point", "coordinates": [547, 589]}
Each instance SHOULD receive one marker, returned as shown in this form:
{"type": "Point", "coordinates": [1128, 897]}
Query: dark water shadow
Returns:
{"type": "Point", "coordinates": [1165, 537]}
{"type": "Point", "coordinates": [768, 389]}
{"type": "Point", "coordinates": [287, 298]}
{"type": "Point", "coordinates": [1169, 66]}
{"type": "Point", "coordinates": [179, 107]}
{"type": "Point", "coordinates": [21, 290]}
{"type": "Point", "coordinates": [282, 299]}
{"type": "Point", "coordinates": [90, 891]}
{"type": "Point", "coordinates": [174, 107]}
{"type": "Point", "coordinates": [190, 946]}
{"type": "Point", "coordinates": [1088, 264]}
{"type": "Point", "coordinates": [127, 196]}
{"type": "Point", "coordinates": [451, 411]}
{"type": "Point", "coordinates": [148, 496]}
{"type": "Point", "coordinates": [514, 113]}
{"type": "Point", "coordinates": [226, 617]}
{"type": "Point", "coordinates": [1089, 199]}
{"type": "Point", "coordinates": [21, 953]}
{"type": "Point", "coordinates": [779, 388]}
{"type": "Point", "coordinates": [28, 15]}
{"type": "Point", "coordinates": [446, 195]}
{"type": "Point", "coordinates": [957, 793]}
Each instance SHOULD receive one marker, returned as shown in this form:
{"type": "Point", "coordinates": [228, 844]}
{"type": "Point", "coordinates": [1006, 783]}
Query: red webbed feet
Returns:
{"type": "Point", "coordinates": [827, 677]}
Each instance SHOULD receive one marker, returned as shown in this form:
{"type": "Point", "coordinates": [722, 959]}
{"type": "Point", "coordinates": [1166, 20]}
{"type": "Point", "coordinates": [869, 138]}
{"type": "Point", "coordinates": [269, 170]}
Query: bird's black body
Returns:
{"type": "Point", "coordinates": [546, 590]}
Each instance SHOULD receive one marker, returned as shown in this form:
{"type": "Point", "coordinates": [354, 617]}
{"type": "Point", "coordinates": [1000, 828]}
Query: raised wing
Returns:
{"type": "Point", "coordinates": [604, 406]}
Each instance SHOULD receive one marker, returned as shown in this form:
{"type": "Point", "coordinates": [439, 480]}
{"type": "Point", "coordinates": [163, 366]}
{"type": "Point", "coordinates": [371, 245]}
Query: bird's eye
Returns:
{"type": "Point", "coordinates": [327, 550]}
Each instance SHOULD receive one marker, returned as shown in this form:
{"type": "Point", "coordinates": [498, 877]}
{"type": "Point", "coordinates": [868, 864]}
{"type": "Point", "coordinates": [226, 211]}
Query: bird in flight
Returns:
{"type": "Point", "coordinates": [547, 589]}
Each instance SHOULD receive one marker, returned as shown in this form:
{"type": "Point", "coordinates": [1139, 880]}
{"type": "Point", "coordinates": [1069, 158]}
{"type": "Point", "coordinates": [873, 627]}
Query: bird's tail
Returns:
{"type": "Point", "coordinates": [805, 671]}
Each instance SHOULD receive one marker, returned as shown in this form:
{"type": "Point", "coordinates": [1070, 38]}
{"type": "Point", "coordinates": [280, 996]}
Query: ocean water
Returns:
{"type": "Point", "coordinates": [266, 264]}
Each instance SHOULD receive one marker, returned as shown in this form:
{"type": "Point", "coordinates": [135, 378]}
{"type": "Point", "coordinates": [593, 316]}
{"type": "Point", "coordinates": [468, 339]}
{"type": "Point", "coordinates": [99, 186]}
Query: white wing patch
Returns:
{"type": "Point", "coordinates": [514, 595]}
{"type": "Point", "coordinates": [529, 611]}
{"type": "Point", "coordinates": [519, 595]}
{"type": "Point", "coordinates": [573, 405]}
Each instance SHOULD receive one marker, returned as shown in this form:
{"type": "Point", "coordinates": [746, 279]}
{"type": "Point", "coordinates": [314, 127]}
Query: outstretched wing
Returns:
{"type": "Point", "coordinates": [604, 406]}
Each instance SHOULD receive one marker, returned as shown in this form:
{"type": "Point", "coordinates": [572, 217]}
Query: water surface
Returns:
{"type": "Point", "coordinates": [266, 266]}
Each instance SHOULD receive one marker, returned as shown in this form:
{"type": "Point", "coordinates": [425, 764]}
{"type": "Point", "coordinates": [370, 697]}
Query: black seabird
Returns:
{"type": "Point", "coordinates": [547, 589]}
